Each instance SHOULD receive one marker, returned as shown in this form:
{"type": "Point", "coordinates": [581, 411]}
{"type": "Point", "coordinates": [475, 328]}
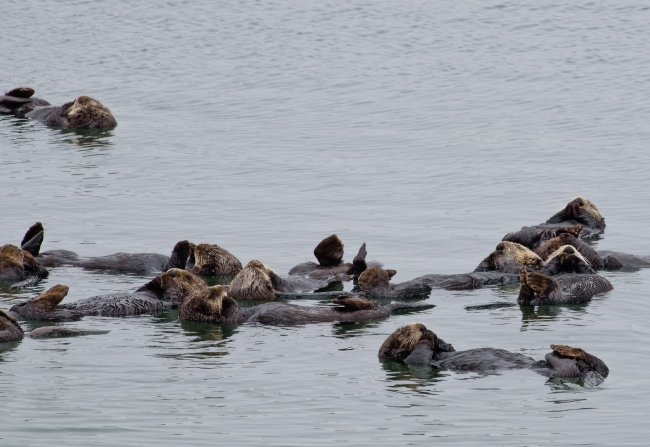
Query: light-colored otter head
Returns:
{"type": "Point", "coordinates": [253, 282]}
{"type": "Point", "coordinates": [566, 361]}
{"type": "Point", "coordinates": [18, 264]}
{"type": "Point", "coordinates": [174, 285]}
{"type": "Point", "coordinates": [212, 260]}
{"type": "Point", "coordinates": [329, 251]}
{"type": "Point", "coordinates": [210, 305]}
{"type": "Point", "coordinates": [401, 343]}
{"type": "Point", "coordinates": [518, 252]}
{"type": "Point", "coordinates": [87, 113]}
{"type": "Point", "coordinates": [10, 330]}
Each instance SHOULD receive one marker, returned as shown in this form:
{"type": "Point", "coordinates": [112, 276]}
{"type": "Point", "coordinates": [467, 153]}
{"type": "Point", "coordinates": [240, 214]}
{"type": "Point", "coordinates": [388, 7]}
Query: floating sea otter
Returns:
{"type": "Point", "coordinates": [118, 262]}
{"type": "Point", "coordinates": [537, 288]}
{"type": "Point", "coordinates": [20, 265]}
{"type": "Point", "coordinates": [416, 345]}
{"type": "Point", "coordinates": [579, 214]}
{"type": "Point", "coordinates": [374, 283]}
{"type": "Point", "coordinates": [82, 113]}
{"type": "Point", "coordinates": [212, 260]}
{"type": "Point", "coordinates": [10, 330]}
{"type": "Point", "coordinates": [214, 306]}
{"type": "Point", "coordinates": [257, 282]}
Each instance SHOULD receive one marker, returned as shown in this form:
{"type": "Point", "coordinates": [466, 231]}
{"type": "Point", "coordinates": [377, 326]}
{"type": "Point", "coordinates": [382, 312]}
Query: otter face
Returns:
{"type": "Point", "coordinates": [582, 211]}
{"type": "Point", "coordinates": [10, 330]}
{"type": "Point", "coordinates": [566, 361]}
{"type": "Point", "coordinates": [212, 260]}
{"type": "Point", "coordinates": [254, 282]}
{"type": "Point", "coordinates": [329, 251]}
{"type": "Point", "coordinates": [43, 307]}
{"type": "Point", "coordinates": [518, 252]}
{"type": "Point", "coordinates": [401, 343]}
{"type": "Point", "coordinates": [87, 113]}
{"type": "Point", "coordinates": [17, 264]}
{"type": "Point", "coordinates": [175, 285]}
{"type": "Point", "coordinates": [210, 305]}
{"type": "Point", "coordinates": [567, 259]}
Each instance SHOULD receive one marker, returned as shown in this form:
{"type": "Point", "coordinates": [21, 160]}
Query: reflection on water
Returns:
{"type": "Point", "coordinates": [208, 331]}
{"type": "Point", "coordinates": [349, 330]}
{"type": "Point", "coordinates": [531, 316]}
{"type": "Point", "coordinates": [86, 138]}
{"type": "Point", "coordinates": [418, 379]}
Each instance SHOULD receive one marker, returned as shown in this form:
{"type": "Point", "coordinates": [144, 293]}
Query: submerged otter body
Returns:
{"type": "Point", "coordinates": [537, 288]}
{"type": "Point", "coordinates": [10, 330]}
{"type": "Point", "coordinates": [414, 344]}
{"type": "Point", "coordinates": [82, 113]}
{"type": "Point", "coordinates": [214, 306]}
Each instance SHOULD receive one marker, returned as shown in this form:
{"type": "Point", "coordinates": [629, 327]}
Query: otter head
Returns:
{"type": "Point", "coordinates": [518, 252]}
{"type": "Point", "coordinates": [567, 259]}
{"type": "Point", "coordinates": [413, 343]}
{"type": "Point", "coordinates": [329, 251]}
{"type": "Point", "coordinates": [44, 306]}
{"type": "Point", "coordinates": [10, 330]}
{"type": "Point", "coordinates": [582, 211]}
{"type": "Point", "coordinates": [566, 361]}
{"type": "Point", "coordinates": [375, 281]}
{"type": "Point", "coordinates": [211, 260]}
{"type": "Point", "coordinates": [209, 305]}
{"type": "Point", "coordinates": [86, 113]}
{"type": "Point", "coordinates": [19, 264]}
{"type": "Point", "coordinates": [174, 285]}
{"type": "Point", "coordinates": [254, 282]}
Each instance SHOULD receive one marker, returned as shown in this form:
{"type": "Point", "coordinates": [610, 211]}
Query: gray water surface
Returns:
{"type": "Point", "coordinates": [427, 130]}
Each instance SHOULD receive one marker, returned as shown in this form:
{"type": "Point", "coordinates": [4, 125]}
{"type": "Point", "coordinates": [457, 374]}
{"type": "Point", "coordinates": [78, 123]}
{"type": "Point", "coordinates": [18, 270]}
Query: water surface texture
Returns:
{"type": "Point", "coordinates": [427, 130]}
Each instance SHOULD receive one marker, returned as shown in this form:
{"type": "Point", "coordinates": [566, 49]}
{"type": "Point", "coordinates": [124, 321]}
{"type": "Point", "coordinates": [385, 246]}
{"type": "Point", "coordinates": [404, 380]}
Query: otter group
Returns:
{"type": "Point", "coordinates": [552, 261]}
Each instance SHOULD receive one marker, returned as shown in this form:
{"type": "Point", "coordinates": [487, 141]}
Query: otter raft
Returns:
{"type": "Point", "coordinates": [287, 224]}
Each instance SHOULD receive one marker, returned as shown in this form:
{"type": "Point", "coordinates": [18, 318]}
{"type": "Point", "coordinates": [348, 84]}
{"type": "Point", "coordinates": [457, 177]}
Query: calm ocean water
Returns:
{"type": "Point", "coordinates": [427, 130]}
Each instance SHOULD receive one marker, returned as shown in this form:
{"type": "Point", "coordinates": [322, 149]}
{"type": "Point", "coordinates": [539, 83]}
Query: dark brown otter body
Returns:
{"type": "Point", "coordinates": [118, 262]}
{"type": "Point", "coordinates": [82, 113]}
{"type": "Point", "coordinates": [214, 306]}
{"type": "Point", "coordinates": [416, 345]}
{"type": "Point", "coordinates": [537, 288]}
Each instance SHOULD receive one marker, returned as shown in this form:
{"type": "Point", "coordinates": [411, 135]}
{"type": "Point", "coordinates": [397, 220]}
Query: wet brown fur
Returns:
{"type": "Point", "coordinates": [207, 305]}
{"type": "Point", "coordinates": [329, 251]}
{"type": "Point", "coordinates": [519, 253]}
{"type": "Point", "coordinates": [374, 278]}
{"type": "Point", "coordinates": [354, 303]}
{"type": "Point", "coordinates": [11, 326]}
{"type": "Point", "coordinates": [86, 112]}
{"type": "Point", "coordinates": [21, 92]}
{"type": "Point", "coordinates": [51, 298]}
{"type": "Point", "coordinates": [212, 260]}
{"type": "Point", "coordinates": [253, 282]}
{"type": "Point", "coordinates": [178, 284]}
{"type": "Point", "coordinates": [399, 345]}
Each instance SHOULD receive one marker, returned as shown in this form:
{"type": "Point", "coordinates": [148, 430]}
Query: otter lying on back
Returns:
{"type": "Point", "coordinates": [374, 283]}
{"type": "Point", "coordinates": [82, 113]}
{"type": "Point", "coordinates": [20, 265]}
{"type": "Point", "coordinates": [537, 288]}
{"type": "Point", "coordinates": [118, 262]}
{"type": "Point", "coordinates": [214, 306]}
{"type": "Point", "coordinates": [416, 345]}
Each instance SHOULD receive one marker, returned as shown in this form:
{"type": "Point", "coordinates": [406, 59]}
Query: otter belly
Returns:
{"type": "Point", "coordinates": [481, 360]}
{"type": "Point", "coordinates": [118, 305]}
{"type": "Point", "coordinates": [127, 262]}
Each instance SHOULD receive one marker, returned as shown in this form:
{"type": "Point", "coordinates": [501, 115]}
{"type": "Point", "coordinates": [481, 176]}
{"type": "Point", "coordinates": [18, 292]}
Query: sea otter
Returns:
{"type": "Point", "coordinates": [509, 257]}
{"type": "Point", "coordinates": [44, 307]}
{"type": "Point", "coordinates": [214, 306]}
{"type": "Point", "coordinates": [374, 283]}
{"type": "Point", "coordinates": [118, 262]}
{"type": "Point", "coordinates": [212, 260]}
{"type": "Point", "coordinates": [257, 282]}
{"type": "Point", "coordinates": [82, 113]}
{"type": "Point", "coordinates": [330, 267]}
{"type": "Point", "coordinates": [566, 259]}
{"type": "Point", "coordinates": [10, 330]}
{"type": "Point", "coordinates": [165, 291]}
{"type": "Point", "coordinates": [537, 288]}
{"type": "Point", "coordinates": [414, 344]}
{"type": "Point", "coordinates": [578, 211]}
{"type": "Point", "coordinates": [20, 265]}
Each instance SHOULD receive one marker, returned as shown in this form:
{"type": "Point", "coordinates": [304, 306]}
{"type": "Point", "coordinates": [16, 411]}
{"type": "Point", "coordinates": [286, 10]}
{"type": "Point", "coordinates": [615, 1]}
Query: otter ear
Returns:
{"type": "Point", "coordinates": [33, 239]}
{"type": "Point", "coordinates": [52, 297]}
